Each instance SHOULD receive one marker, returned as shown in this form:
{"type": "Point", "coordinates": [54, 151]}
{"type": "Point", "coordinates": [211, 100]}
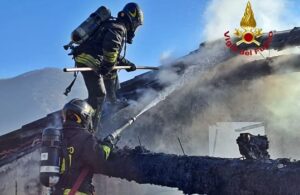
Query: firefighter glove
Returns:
{"type": "Point", "coordinates": [132, 67]}
{"type": "Point", "coordinates": [110, 141]}
{"type": "Point", "coordinates": [125, 62]}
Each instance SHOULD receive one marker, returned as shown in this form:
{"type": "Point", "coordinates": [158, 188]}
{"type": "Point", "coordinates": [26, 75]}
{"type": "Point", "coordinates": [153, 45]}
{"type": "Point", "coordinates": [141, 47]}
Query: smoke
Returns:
{"type": "Point", "coordinates": [160, 117]}
{"type": "Point", "coordinates": [203, 96]}
{"type": "Point", "coordinates": [166, 56]}
{"type": "Point", "coordinates": [197, 99]}
{"type": "Point", "coordinates": [281, 100]}
{"type": "Point", "coordinates": [272, 98]}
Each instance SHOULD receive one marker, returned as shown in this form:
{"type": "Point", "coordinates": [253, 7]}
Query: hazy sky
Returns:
{"type": "Point", "coordinates": [34, 31]}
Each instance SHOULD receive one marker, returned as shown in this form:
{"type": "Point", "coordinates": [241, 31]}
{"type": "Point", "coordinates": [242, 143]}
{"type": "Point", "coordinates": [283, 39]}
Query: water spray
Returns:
{"type": "Point", "coordinates": [205, 63]}
{"type": "Point", "coordinates": [160, 97]}
{"type": "Point", "coordinates": [118, 131]}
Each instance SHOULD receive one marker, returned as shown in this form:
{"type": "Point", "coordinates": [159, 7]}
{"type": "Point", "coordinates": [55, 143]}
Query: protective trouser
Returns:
{"type": "Point", "coordinates": [111, 88]}
{"type": "Point", "coordinates": [96, 93]}
{"type": "Point", "coordinates": [97, 86]}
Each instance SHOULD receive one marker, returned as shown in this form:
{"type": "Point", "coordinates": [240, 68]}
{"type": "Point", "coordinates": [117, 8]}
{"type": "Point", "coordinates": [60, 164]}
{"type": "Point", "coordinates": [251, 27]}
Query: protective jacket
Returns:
{"type": "Point", "coordinates": [82, 150]}
{"type": "Point", "coordinates": [104, 46]}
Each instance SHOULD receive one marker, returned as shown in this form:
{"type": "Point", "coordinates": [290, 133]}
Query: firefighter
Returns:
{"type": "Point", "coordinates": [103, 51]}
{"type": "Point", "coordinates": [83, 152]}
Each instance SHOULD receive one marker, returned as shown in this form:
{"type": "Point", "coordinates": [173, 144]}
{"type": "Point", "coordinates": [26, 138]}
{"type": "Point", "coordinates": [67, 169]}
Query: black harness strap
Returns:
{"type": "Point", "coordinates": [69, 88]}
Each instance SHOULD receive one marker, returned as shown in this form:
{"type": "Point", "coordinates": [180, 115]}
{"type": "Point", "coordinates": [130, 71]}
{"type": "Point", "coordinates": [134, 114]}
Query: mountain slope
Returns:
{"type": "Point", "coordinates": [33, 95]}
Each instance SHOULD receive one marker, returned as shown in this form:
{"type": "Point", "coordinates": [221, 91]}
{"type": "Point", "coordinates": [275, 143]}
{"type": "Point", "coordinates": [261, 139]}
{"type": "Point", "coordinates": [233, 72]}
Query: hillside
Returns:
{"type": "Point", "coordinates": [33, 95]}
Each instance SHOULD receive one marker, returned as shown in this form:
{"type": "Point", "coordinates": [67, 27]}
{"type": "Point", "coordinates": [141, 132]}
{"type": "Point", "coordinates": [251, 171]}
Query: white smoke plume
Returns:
{"type": "Point", "coordinates": [166, 56]}
{"type": "Point", "coordinates": [277, 96]}
{"type": "Point", "coordinates": [227, 104]}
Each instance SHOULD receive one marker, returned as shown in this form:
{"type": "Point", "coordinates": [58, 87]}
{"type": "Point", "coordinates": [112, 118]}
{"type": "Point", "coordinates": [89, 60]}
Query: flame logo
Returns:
{"type": "Point", "coordinates": [248, 19]}
{"type": "Point", "coordinates": [249, 32]}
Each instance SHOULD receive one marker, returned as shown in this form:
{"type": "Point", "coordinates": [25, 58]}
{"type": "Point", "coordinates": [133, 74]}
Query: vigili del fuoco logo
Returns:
{"type": "Point", "coordinates": [248, 34]}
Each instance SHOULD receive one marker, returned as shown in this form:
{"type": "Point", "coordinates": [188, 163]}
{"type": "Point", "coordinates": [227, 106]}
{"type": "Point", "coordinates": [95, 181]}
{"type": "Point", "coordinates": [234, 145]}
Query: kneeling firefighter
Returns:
{"type": "Point", "coordinates": [81, 154]}
{"type": "Point", "coordinates": [101, 51]}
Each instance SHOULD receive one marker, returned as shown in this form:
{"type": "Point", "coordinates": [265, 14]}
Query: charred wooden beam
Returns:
{"type": "Point", "coordinates": [205, 175]}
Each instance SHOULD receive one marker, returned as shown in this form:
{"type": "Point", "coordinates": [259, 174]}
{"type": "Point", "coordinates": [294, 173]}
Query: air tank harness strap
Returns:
{"type": "Point", "coordinates": [66, 161]}
{"type": "Point", "coordinates": [79, 181]}
{"type": "Point", "coordinates": [68, 89]}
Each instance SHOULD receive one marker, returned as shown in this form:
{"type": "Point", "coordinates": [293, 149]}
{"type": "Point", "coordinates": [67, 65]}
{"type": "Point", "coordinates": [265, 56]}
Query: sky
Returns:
{"type": "Point", "coordinates": [34, 31]}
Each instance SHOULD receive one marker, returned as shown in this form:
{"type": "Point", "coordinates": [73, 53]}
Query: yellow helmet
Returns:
{"type": "Point", "coordinates": [78, 111]}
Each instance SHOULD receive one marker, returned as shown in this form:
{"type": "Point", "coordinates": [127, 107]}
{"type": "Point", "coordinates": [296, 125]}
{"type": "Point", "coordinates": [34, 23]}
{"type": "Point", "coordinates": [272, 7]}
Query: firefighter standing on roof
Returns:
{"type": "Point", "coordinates": [102, 50]}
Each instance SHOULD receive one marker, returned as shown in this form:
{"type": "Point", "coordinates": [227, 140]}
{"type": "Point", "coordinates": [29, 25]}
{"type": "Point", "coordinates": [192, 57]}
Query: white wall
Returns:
{"type": "Point", "coordinates": [223, 135]}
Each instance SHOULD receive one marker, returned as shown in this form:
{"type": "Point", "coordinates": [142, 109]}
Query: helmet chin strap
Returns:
{"type": "Point", "coordinates": [130, 36]}
{"type": "Point", "coordinates": [122, 17]}
{"type": "Point", "coordinates": [90, 127]}
{"type": "Point", "coordinates": [125, 41]}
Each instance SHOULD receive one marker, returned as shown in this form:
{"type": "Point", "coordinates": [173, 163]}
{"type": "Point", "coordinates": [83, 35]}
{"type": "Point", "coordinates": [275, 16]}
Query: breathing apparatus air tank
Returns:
{"type": "Point", "coordinates": [50, 157]}
{"type": "Point", "coordinates": [89, 26]}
